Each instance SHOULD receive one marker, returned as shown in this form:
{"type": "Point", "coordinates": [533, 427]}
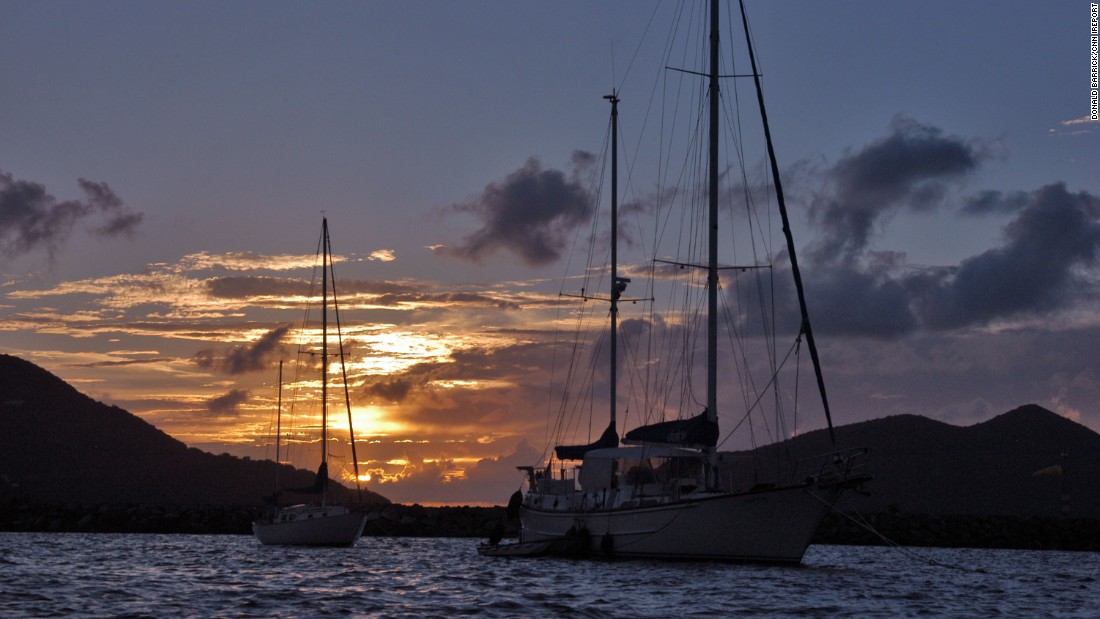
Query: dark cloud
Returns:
{"type": "Point", "coordinates": [243, 358]}
{"type": "Point", "coordinates": [867, 303]}
{"type": "Point", "coordinates": [1053, 235]}
{"type": "Point", "coordinates": [456, 411]}
{"type": "Point", "coordinates": [530, 213]}
{"type": "Point", "coordinates": [395, 390]}
{"type": "Point", "coordinates": [906, 169]}
{"type": "Point", "coordinates": [227, 403]}
{"type": "Point", "coordinates": [32, 219]}
{"type": "Point", "coordinates": [255, 286]}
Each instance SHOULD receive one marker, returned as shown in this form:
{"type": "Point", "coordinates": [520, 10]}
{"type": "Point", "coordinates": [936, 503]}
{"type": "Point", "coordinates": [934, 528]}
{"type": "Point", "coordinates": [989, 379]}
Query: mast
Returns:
{"type": "Point", "coordinates": [278, 426]}
{"type": "Point", "coordinates": [712, 243]}
{"type": "Point", "coordinates": [617, 286]}
{"type": "Point", "coordinates": [324, 357]}
{"type": "Point", "coordinates": [787, 233]}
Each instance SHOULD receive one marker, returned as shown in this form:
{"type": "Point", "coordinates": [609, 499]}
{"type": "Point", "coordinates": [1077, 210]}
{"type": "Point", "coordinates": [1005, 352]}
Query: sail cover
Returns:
{"type": "Point", "coordinates": [696, 431]}
{"type": "Point", "coordinates": [319, 484]}
{"type": "Point", "coordinates": [609, 438]}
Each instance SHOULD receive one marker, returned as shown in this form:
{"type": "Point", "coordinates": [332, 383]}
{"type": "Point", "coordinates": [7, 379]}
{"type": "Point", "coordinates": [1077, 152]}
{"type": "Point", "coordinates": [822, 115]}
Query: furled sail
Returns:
{"type": "Point", "coordinates": [609, 438]}
{"type": "Point", "coordinates": [696, 431]}
{"type": "Point", "coordinates": [319, 484]}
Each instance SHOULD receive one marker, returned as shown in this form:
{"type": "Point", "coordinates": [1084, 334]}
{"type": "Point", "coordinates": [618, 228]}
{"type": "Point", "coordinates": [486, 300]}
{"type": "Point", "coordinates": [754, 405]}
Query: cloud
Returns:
{"type": "Point", "coordinates": [1084, 120]}
{"type": "Point", "coordinates": [229, 402]}
{"type": "Point", "coordinates": [245, 358]}
{"type": "Point", "coordinates": [993, 202]}
{"type": "Point", "coordinates": [1084, 125]}
{"type": "Point", "coordinates": [394, 390]}
{"type": "Point", "coordinates": [382, 255]}
{"type": "Point", "coordinates": [1054, 234]}
{"type": "Point", "coordinates": [246, 261]}
{"type": "Point", "coordinates": [906, 169]}
{"type": "Point", "coordinates": [31, 219]}
{"type": "Point", "coordinates": [530, 213]}
{"type": "Point", "coordinates": [869, 302]}
{"type": "Point", "coordinates": [255, 286]}
{"type": "Point", "coordinates": [488, 481]}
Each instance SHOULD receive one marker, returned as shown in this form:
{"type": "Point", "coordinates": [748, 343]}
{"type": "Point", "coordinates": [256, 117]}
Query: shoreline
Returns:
{"type": "Point", "coordinates": [394, 520]}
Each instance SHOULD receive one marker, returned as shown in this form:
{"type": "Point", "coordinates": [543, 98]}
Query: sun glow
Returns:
{"type": "Point", "coordinates": [368, 420]}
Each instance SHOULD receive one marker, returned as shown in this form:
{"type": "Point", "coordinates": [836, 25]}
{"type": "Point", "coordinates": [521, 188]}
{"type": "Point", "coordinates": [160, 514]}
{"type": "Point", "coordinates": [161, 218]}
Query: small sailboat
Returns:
{"type": "Point", "coordinates": [317, 524]}
{"type": "Point", "coordinates": [662, 493]}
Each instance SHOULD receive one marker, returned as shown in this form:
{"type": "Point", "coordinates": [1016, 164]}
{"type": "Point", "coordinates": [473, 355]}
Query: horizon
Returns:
{"type": "Point", "coordinates": [166, 166]}
{"type": "Point", "coordinates": [350, 483]}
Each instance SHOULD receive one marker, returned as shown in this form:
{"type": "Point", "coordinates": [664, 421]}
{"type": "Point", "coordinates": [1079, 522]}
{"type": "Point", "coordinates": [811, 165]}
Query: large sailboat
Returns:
{"type": "Point", "coordinates": [664, 491]}
{"type": "Point", "coordinates": [318, 524]}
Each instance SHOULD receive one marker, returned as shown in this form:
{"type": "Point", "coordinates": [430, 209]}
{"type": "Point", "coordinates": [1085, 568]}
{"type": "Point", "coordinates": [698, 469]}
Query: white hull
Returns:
{"type": "Point", "coordinates": [311, 526]}
{"type": "Point", "coordinates": [773, 525]}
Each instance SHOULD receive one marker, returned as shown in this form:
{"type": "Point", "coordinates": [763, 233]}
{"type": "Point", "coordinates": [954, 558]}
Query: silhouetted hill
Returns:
{"type": "Point", "coordinates": [58, 445]}
{"type": "Point", "coordinates": [929, 467]}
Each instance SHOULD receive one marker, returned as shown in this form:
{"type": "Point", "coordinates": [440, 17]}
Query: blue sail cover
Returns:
{"type": "Point", "coordinates": [609, 438]}
{"type": "Point", "coordinates": [696, 431]}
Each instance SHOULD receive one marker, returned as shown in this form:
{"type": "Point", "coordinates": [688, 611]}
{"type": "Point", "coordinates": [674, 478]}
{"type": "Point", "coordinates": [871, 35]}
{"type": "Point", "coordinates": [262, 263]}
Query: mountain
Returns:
{"type": "Point", "coordinates": [929, 467]}
{"type": "Point", "coordinates": [59, 445]}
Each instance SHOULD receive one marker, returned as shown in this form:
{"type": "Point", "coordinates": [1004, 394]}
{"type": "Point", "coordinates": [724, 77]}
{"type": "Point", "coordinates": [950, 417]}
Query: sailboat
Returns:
{"type": "Point", "coordinates": [318, 524]}
{"type": "Point", "coordinates": [659, 493]}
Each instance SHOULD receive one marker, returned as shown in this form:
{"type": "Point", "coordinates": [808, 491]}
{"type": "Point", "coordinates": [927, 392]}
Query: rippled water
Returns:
{"type": "Point", "coordinates": [51, 574]}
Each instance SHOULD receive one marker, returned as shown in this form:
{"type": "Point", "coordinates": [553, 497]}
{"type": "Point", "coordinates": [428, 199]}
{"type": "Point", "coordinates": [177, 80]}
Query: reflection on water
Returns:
{"type": "Point", "coordinates": [53, 574]}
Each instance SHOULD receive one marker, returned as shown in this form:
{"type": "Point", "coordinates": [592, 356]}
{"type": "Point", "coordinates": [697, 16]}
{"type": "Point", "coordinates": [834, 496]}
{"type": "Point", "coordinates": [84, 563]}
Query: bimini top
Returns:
{"type": "Point", "coordinates": [641, 451]}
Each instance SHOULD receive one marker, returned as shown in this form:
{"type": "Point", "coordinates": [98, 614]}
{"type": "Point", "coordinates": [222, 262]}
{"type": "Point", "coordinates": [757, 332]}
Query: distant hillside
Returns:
{"type": "Point", "coordinates": [926, 466]}
{"type": "Point", "coordinates": [58, 445]}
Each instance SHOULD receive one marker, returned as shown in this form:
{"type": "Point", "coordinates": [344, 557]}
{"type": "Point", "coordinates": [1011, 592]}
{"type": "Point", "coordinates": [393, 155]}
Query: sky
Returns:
{"type": "Point", "coordinates": [164, 168]}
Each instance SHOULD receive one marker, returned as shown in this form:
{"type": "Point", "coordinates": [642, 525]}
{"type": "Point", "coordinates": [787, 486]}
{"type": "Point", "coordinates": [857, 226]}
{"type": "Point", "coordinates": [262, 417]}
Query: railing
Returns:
{"type": "Point", "coordinates": [742, 473]}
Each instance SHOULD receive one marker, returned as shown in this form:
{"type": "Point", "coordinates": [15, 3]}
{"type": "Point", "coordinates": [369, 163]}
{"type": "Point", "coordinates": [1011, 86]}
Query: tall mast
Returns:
{"type": "Point", "coordinates": [617, 287]}
{"type": "Point", "coordinates": [712, 244]}
{"type": "Point", "coordinates": [806, 330]}
{"type": "Point", "coordinates": [278, 426]}
{"type": "Point", "coordinates": [324, 352]}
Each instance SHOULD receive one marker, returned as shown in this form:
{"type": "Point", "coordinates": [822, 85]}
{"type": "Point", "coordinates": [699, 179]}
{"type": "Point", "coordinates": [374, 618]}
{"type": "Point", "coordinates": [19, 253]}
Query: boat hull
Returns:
{"type": "Point", "coordinates": [774, 526]}
{"type": "Point", "coordinates": [331, 526]}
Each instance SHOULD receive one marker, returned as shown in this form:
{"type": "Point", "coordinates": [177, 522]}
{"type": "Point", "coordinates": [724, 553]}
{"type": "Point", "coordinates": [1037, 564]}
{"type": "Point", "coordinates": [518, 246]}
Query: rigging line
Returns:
{"type": "Point", "coordinates": [344, 374]}
{"type": "Point", "coordinates": [748, 383]}
{"type": "Point", "coordinates": [565, 417]}
{"type": "Point", "coordinates": [797, 381]}
{"type": "Point", "coordinates": [862, 523]}
{"type": "Point", "coordinates": [806, 328]}
{"type": "Point", "coordinates": [586, 281]}
{"type": "Point", "coordinates": [695, 102]}
{"type": "Point", "coordinates": [752, 215]}
{"type": "Point", "coordinates": [661, 79]}
{"type": "Point", "coordinates": [773, 379]}
{"type": "Point", "coordinates": [638, 48]}
{"type": "Point", "coordinates": [564, 423]}
{"type": "Point", "coordinates": [296, 446]}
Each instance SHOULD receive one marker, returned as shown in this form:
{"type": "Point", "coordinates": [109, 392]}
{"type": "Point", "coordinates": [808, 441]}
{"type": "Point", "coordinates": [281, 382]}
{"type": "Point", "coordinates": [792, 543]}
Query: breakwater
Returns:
{"type": "Point", "coordinates": [951, 531]}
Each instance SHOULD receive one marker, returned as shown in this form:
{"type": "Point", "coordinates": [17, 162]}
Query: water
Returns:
{"type": "Point", "coordinates": [53, 574]}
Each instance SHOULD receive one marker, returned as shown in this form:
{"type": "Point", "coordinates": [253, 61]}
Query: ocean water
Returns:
{"type": "Point", "coordinates": [109, 575]}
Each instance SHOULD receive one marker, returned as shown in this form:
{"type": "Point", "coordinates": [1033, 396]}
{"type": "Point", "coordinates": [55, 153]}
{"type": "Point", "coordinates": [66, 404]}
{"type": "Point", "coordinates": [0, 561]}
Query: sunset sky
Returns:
{"type": "Point", "coordinates": [164, 167]}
